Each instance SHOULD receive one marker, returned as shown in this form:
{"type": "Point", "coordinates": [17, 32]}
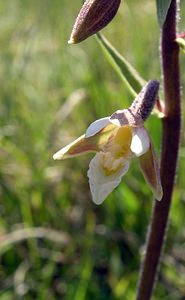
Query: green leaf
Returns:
{"type": "Point", "coordinates": [125, 70]}
{"type": "Point", "coordinates": [162, 10]}
{"type": "Point", "coordinates": [181, 43]}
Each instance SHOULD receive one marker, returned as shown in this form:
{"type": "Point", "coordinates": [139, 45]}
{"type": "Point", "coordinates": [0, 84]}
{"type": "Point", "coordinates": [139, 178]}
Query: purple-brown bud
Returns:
{"type": "Point", "coordinates": [140, 109]}
{"type": "Point", "coordinates": [145, 100]}
{"type": "Point", "coordinates": [93, 16]}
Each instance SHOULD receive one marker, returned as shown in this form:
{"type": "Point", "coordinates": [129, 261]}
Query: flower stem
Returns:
{"type": "Point", "coordinates": [169, 157]}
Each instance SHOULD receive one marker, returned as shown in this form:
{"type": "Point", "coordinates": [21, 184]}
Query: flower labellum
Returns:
{"type": "Point", "coordinates": [93, 16]}
{"type": "Point", "coordinates": [115, 140]}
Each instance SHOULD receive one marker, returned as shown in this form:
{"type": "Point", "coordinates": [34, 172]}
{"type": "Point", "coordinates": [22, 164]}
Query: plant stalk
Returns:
{"type": "Point", "coordinates": [170, 148]}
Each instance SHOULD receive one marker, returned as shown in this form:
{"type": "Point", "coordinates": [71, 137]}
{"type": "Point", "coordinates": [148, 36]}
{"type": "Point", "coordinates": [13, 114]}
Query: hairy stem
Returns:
{"type": "Point", "coordinates": [170, 148]}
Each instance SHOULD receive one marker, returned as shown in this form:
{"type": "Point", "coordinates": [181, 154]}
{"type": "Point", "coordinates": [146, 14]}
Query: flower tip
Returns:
{"type": "Point", "coordinates": [60, 154]}
{"type": "Point", "coordinates": [159, 194]}
{"type": "Point", "coordinates": [71, 41]}
{"type": "Point", "coordinates": [56, 156]}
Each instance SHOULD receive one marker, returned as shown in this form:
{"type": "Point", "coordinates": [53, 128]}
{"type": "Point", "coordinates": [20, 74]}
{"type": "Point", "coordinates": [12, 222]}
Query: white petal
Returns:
{"type": "Point", "coordinates": [114, 118]}
{"type": "Point", "coordinates": [96, 126]}
{"type": "Point", "coordinates": [102, 185]}
{"type": "Point", "coordinates": [119, 118]}
{"type": "Point", "coordinates": [140, 141]}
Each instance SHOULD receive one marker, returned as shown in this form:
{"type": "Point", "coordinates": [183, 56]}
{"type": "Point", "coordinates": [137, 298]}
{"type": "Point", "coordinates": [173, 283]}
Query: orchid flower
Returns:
{"type": "Point", "coordinates": [116, 139]}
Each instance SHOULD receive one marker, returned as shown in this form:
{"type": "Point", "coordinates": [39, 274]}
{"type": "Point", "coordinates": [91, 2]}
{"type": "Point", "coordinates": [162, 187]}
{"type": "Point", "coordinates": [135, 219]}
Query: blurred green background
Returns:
{"type": "Point", "coordinates": [54, 242]}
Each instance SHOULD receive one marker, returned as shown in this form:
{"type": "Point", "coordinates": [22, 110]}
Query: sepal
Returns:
{"type": "Point", "coordinates": [150, 170]}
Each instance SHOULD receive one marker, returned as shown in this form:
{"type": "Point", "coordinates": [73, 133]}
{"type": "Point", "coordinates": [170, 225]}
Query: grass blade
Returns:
{"type": "Point", "coordinates": [125, 70]}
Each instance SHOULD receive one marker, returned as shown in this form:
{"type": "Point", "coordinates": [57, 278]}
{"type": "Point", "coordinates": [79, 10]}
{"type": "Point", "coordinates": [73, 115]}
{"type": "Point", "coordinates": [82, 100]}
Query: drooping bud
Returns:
{"type": "Point", "coordinates": [93, 16]}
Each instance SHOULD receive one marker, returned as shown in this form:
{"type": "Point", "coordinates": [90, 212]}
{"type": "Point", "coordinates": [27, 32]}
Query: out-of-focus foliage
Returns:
{"type": "Point", "coordinates": [162, 10]}
{"type": "Point", "coordinates": [54, 242]}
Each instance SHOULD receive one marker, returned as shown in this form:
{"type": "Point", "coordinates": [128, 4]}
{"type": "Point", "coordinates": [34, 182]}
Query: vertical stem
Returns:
{"type": "Point", "coordinates": [170, 147]}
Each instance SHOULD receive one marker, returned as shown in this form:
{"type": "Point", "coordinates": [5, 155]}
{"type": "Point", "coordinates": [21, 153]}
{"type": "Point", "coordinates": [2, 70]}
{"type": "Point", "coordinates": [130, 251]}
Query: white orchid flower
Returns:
{"type": "Point", "coordinates": [115, 140]}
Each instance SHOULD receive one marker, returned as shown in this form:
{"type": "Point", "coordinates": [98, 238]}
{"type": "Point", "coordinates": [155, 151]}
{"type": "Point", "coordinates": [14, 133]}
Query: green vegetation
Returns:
{"type": "Point", "coordinates": [54, 242]}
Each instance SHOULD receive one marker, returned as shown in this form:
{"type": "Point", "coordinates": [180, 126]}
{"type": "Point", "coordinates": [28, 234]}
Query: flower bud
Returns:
{"type": "Point", "coordinates": [145, 100]}
{"type": "Point", "coordinates": [140, 109]}
{"type": "Point", "coordinates": [93, 16]}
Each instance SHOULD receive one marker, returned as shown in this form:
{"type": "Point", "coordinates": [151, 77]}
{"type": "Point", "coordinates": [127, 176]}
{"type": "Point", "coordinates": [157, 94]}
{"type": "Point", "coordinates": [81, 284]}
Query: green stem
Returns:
{"type": "Point", "coordinates": [170, 149]}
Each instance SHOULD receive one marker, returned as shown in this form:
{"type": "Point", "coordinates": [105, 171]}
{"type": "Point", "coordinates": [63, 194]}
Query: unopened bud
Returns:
{"type": "Point", "coordinates": [93, 16]}
{"type": "Point", "coordinates": [145, 100]}
{"type": "Point", "coordinates": [141, 107]}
